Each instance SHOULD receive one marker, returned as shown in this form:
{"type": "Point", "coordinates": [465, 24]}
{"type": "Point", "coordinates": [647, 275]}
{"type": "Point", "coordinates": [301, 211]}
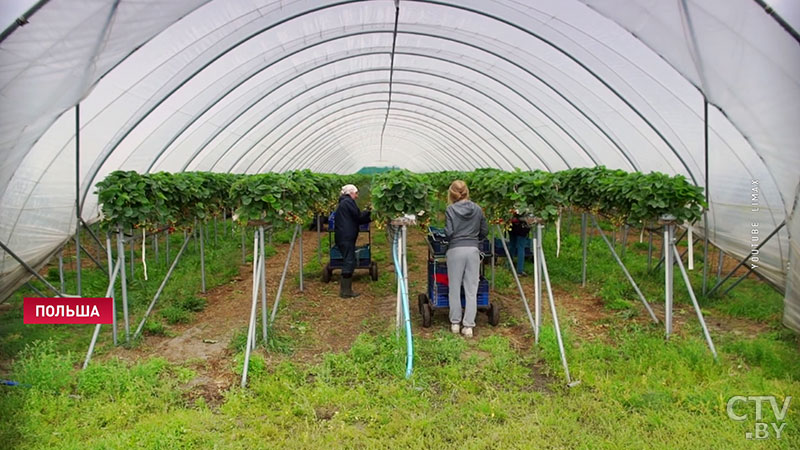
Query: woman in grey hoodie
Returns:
{"type": "Point", "coordinates": [465, 228]}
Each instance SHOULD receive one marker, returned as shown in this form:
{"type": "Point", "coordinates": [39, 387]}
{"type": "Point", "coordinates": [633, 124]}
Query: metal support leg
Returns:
{"type": "Point", "coordinates": [160, 289]}
{"type": "Point", "coordinates": [519, 285]}
{"type": "Point", "coordinates": [661, 261]}
{"type": "Point", "coordinates": [537, 282]}
{"type": "Point", "coordinates": [283, 277]}
{"type": "Point", "coordinates": [124, 283]}
{"type": "Point", "coordinates": [649, 250]}
{"type": "Point", "coordinates": [202, 259]}
{"type": "Point", "coordinates": [263, 256]}
{"type": "Point", "coordinates": [694, 302]}
{"type": "Point", "coordinates": [257, 266]}
{"type": "Point", "coordinates": [132, 244]}
{"type": "Point", "coordinates": [668, 242]}
{"type": "Point", "coordinates": [300, 253]}
{"type": "Point", "coordinates": [584, 243]}
{"type": "Point", "coordinates": [494, 256]}
{"type": "Point", "coordinates": [109, 293]}
{"type": "Point", "coordinates": [114, 302]}
{"type": "Point", "coordinates": [555, 317]}
{"type": "Point", "coordinates": [625, 270]}
{"type": "Point", "coordinates": [244, 257]}
{"type": "Point", "coordinates": [61, 268]}
{"type": "Point", "coordinates": [705, 252]}
{"type": "Point", "coordinates": [30, 269]}
{"type": "Point", "coordinates": [743, 261]}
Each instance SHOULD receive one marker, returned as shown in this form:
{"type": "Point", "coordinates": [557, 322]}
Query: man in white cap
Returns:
{"type": "Point", "coordinates": [346, 222]}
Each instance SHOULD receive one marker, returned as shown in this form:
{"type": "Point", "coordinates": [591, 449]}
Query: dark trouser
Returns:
{"type": "Point", "coordinates": [348, 250]}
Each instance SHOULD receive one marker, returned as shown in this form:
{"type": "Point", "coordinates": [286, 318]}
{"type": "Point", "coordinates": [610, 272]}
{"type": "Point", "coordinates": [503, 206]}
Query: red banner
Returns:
{"type": "Point", "coordinates": [68, 310]}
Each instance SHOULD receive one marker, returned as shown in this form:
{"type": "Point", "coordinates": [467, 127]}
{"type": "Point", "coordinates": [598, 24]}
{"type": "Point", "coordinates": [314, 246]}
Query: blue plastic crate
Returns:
{"type": "Point", "coordinates": [362, 257]}
{"type": "Point", "coordinates": [439, 289]}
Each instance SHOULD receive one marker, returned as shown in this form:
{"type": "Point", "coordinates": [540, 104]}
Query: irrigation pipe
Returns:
{"type": "Point", "coordinates": [401, 281]}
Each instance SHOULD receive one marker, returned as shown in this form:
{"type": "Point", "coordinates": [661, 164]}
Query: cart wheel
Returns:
{"type": "Point", "coordinates": [421, 300]}
{"type": "Point", "coordinates": [373, 270]}
{"type": "Point", "coordinates": [494, 314]}
{"type": "Point", "coordinates": [326, 273]}
{"type": "Point", "coordinates": [426, 315]}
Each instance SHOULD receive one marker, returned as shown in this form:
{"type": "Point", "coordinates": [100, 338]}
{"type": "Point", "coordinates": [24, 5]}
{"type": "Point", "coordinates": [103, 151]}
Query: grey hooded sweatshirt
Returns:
{"type": "Point", "coordinates": [465, 224]}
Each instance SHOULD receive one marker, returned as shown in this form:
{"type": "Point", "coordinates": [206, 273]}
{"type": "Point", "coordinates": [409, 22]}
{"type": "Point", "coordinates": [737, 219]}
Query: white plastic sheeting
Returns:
{"type": "Point", "coordinates": [254, 86]}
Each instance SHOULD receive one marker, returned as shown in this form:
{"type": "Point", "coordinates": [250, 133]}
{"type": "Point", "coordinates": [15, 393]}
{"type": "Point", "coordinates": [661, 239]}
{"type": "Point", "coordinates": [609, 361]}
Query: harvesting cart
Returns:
{"type": "Point", "coordinates": [437, 295]}
{"type": "Point", "coordinates": [363, 254]}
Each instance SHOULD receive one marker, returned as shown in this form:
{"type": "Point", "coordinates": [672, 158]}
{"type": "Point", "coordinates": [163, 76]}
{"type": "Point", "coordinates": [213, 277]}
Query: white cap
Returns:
{"type": "Point", "coordinates": [348, 189]}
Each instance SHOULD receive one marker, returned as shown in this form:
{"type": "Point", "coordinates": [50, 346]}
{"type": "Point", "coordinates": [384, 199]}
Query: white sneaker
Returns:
{"type": "Point", "coordinates": [455, 328]}
{"type": "Point", "coordinates": [467, 332]}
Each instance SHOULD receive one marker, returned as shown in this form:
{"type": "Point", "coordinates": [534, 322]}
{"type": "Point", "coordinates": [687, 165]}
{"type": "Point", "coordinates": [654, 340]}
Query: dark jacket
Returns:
{"type": "Point", "coordinates": [465, 225]}
{"type": "Point", "coordinates": [519, 227]}
{"type": "Point", "coordinates": [348, 218]}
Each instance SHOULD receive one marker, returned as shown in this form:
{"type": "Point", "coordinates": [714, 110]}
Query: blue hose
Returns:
{"type": "Point", "coordinates": [404, 296]}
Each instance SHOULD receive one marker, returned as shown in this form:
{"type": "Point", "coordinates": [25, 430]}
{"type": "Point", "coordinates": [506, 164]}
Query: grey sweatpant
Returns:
{"type": "Point", "coordinates": [463, 265]}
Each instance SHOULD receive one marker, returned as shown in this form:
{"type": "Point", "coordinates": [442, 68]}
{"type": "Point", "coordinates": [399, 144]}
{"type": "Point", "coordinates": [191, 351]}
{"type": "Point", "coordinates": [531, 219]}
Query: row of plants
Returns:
{"type": "Point", "coordinates": [152, 201]}
{"type": "Point", "coordinates": [134, 200]}
{"type": "Point", "coordinates": [620, 196]}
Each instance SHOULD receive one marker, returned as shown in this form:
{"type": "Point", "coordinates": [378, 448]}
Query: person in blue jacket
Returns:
{"type": "Point", "coordinates": [346, 222]}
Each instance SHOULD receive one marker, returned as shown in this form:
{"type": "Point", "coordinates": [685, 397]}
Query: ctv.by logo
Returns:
{"type": "Point", "coordinates": [762, 429]}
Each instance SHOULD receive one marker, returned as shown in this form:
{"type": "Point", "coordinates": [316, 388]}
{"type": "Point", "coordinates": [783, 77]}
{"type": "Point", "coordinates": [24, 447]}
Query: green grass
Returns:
{"type": "Point", "coordinates": [637, 390]}
{"type": "Point", "coordinates": [635, 393]}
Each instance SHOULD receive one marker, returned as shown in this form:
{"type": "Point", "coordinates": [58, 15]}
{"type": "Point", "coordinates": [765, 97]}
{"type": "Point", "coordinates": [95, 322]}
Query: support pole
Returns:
{"type": "Point", "coordinates": [299, 229]}
{"type": "Point", "coordinates": [708, 198]}
{"type": "Point", "coordinates": [263, 256]}
{"type": "Point", "coordinates": [720, 260]}
{"type": "Point", "coordinates": [625, 271]}
{"type": "Point", "coordinates": [624, 239]}
{"type": "Point", "coordinates": [123, 282]}
{"type": "Point", "coordinates": [109, 292]}
{"type": "Point", "coordinates": [257, 266]}
{"type": "Point", "coordinates": [537, 269]}
{"type": "Point", "coordinates": [155, 245]}
{"type": "Point", "coordinates": [94, 237]}
{"type": "Point", "coordinates": [94, 260]}
{"type": "Point", "coordinates": [114, 303]}
{"type": "Point", "coordinates": [61, 268]}
{"type": "Point", "coordinates": [132, 243]}
{"type": "Point", "coordinates": [30, 269]}
{"type": "Point", "coordinates": [519, 285]}
{"type": "Point", "coordinates": [319, 241]}
{"type": "Point", "coordinates": [33, 288]}
{"type": "Point", "coordinates": [244, 257]}
{"type": "Point", "coordinates": [167, 238]}
{"type": "Point", "coordinates": [743, 261]}
{"type": "Point", "coordinates": [555, 316]}
{"type": "Point", "coordinates": [202, 258]}
{"type": "Point", "coordinates": [494, 256]}
{"type": "Point", "coordinates": [661, 261]}
{"type": "Point", "coordinates": [78, 220]}
{"type": "Point", "coordinates": [669, 231]}
{"type": "Point", "coordinates": [283, 277]}
{"type": "Point", "coordinates": [584, 244]}
{"type": "Point", "coordinates": [160, 289]}
{"type": "Point", "coordinates": [694, 302]}
{"type": "Point", "coordinates": [649, 250]}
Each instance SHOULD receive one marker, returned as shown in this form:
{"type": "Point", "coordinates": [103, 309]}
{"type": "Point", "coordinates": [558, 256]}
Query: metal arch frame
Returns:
{"type": "Point", "coordinates": [410, 118]}
{"type": "Point", "coordinates": [427, 108]}
{"type": "Point", "coordinates": [574, 60]}
{"type": "Point", "coordinates": [107, 155]}
{"type": "Point", "coordinates": [349, 119]}
{"type": "Point", "coordinates": [555, 122]}
{"type": "Point", "coordinates": [325, 140]}
{"type": "Point", "coordinates": [434, 2]}
{"type": "Point", "coordinates": [317, 141]}
{"type": "Point", "coordinates": [481, 109]}
{"type": "Point", "coordinates": [306, 127]}
{"type": "Point", "coordinates": [261, 168]}
{"type": "Point", "coordinates": [329, 152]}
{"type": "Point", "coordinates": [436, 162]}
{"type": "Point", "coordinates": [242, 135]}
{"type": "Point", "coordinates": [447, 94]}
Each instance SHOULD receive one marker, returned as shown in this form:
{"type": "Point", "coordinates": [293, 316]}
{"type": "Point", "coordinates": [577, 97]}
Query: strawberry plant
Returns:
{"type": "Point", "coordinates": [399, 192]}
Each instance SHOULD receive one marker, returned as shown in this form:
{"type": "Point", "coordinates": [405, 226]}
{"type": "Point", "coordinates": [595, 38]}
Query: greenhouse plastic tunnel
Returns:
{"type": "Point", "coordinates": [705, 89]}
